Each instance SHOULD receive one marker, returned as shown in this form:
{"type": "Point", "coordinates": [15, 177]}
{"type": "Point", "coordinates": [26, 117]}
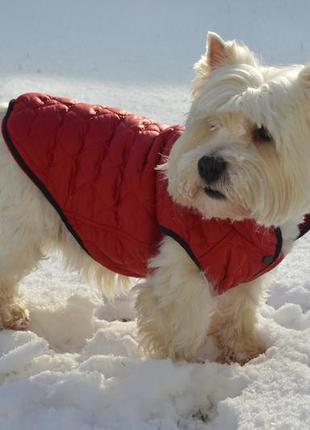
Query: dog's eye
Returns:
{"type": "Point", "coordinates": [261, 135]}
{"type": "Point", "coordinates": [213, 126]}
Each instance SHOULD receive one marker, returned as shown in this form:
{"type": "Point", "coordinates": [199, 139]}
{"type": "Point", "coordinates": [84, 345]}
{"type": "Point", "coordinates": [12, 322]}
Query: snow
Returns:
{"type": "Point", "coordinates": [78, 367]}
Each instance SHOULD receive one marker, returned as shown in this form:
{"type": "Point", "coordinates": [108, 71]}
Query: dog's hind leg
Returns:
{"type": "Point", "coordinates": [18, 256]}
{"type": "Point", "coordinates": [27, 222]}
{"type": "Point", "coordinates": [174, 306]}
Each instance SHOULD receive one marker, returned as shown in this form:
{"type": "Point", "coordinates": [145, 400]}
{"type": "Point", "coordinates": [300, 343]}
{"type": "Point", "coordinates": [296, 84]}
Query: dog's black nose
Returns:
{"type": "Point", "coordinates": [211, 168]}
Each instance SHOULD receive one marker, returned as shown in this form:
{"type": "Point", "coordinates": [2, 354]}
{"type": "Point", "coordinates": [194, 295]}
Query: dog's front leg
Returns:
{"type": "Point", "coordinates": [234, 323]}
{"type": "Point", "coordinates": [174, 306]}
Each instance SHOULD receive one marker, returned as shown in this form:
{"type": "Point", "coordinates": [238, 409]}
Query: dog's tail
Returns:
{"type": "Point", "coordinates": [3, 107]}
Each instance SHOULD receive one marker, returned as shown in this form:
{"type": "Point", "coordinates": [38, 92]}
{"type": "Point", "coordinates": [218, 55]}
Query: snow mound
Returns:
{"type": "Point", "coordinates": [79, 368]}
{"type": "Point", "coordinates": [74, 370]}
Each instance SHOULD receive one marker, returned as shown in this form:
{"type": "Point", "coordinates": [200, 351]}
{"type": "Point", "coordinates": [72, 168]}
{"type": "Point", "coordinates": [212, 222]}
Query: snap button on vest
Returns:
{"type": "Point", "coordinates": [268, 259]}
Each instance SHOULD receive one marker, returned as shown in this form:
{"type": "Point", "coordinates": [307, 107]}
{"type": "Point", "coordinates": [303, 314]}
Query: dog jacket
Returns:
{"type": "Point", "coordinates": [97, 167]}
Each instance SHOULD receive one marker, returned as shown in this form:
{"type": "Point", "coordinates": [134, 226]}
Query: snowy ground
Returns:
{"type": "Point", "coordinates": [78, 367]}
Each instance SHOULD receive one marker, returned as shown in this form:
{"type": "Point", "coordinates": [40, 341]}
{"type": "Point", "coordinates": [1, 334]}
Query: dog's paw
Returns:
{"type": "Point", "coordinates": [229, 355]}
{"type": "Point", "coordinates": [14, 316]}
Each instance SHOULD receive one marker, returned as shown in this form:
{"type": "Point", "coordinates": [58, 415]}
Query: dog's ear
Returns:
{"type": "Point", "coordinates": [214, 57]}
{"type": "Point", "coordinates": [220, 53]}
{"type": "Point", "coordinates": [304, 77]}
{"type": "Point", "coordinates": [217, 54]}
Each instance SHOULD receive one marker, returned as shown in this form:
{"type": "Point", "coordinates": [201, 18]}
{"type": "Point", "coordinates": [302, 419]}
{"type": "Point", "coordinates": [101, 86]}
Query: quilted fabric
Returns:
{"type": "Point", "coordinates": [96, 165]}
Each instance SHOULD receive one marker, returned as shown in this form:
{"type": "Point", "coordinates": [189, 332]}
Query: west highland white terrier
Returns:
{"type": "Point", "coordinates": [202, 211]}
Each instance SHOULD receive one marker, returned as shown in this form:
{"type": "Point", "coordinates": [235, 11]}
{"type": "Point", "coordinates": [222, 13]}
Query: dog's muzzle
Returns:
{"type": "Point", "coordinates": [211, 170]}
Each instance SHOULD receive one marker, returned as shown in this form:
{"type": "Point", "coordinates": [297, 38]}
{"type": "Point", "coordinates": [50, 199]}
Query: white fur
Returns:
{"type": "Point", "coordinates": [232, 95]}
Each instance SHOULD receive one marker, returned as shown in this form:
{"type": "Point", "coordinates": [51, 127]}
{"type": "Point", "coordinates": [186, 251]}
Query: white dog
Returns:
{"type": "Point", "coordinates": [244, 153]}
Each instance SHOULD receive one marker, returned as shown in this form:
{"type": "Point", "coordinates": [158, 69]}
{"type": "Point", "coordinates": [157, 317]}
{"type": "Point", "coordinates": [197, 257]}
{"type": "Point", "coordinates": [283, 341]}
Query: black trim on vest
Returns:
{"type": "Point", "coordinates": [279, 244]}
{"type": "Point", "coordinates": [304, 231]}
{"type": "Point", "coordinates": [33, 177]}
{"type": "Point", "coordinates": [186, 247]}
{"type": "Point", "coordinates": [173, 235]}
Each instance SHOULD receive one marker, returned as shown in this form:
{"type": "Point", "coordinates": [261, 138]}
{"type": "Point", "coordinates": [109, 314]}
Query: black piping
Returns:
{"type": "Point", "coordinates": [181, 242]}
{"type": "Point", "coordinates": [279, 244]}
{"type": "Point", "coordinates": [33, 177]}
{"type": "Point", "coordinates": [304, 231]}
{"type": "Point", "coordinates": [186, 247]}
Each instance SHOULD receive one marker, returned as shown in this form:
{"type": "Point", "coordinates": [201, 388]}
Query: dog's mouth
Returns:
{"type": "Point", "coordinates": [213, 194]}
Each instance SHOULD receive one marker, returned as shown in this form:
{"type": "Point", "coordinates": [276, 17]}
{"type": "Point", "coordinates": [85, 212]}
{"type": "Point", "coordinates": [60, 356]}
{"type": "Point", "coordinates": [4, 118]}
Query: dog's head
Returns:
{"type": "Point", "coordinates": [245, 152]}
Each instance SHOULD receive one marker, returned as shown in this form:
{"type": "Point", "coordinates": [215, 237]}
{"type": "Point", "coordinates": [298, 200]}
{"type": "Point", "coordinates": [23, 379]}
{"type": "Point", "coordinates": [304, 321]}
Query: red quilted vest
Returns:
{"type": "Point", "coordinates": [96, 166]}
